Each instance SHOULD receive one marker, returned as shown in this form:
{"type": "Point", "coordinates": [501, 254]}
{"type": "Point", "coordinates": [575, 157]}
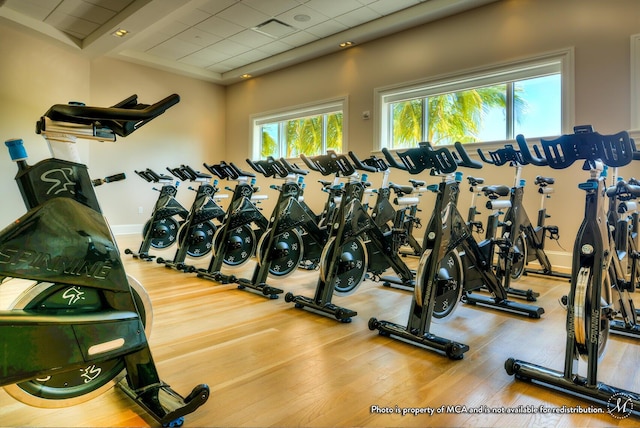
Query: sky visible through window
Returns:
{"type": "Point", "coordinates": [542, 116]}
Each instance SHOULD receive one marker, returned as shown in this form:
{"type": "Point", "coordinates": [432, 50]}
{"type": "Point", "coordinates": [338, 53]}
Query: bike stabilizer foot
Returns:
{"type": "Point", "coordinates": [620, 327]}
{"type": "Point", "coordinates": [547, 273]}
{"type": "Point", "coordinates": [397, 282]}
{"type": "Point", "coordinates": [343, 315]}
{"type": "Point", "coordinates": [142, 256]}
{"type": "Point", "coordinates": [453, 350]}
{"type": "Point", "coordinates": [164, 404]}
{"type": "Point", "coordinates": [263, 288]}
{"type": "Point", "coordinates": [613, 398]}
{"type": "Point", "coordinates": [529, 294]}
{"type": "Point", "coordinates": [503, 305]}
{"type": "Point", "coordinates": [217, 276]}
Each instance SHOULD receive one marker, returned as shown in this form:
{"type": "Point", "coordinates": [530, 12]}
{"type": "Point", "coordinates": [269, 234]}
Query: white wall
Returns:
{"type": "Point", "coordinates": [33, 76]}
{"type": "Point", "coordinates": [37, 73]}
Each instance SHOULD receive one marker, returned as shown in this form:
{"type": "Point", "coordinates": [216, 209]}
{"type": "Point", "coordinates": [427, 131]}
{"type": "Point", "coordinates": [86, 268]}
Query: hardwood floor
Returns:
{"type": "Point", "coordinates": [270, 364]}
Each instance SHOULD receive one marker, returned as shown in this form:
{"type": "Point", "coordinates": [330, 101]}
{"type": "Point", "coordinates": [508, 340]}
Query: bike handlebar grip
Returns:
{"type": "Point", "coordinates": [526, 154]}
{"type": "Point", "coordinates": [240, 172]}
{"type": "Point", "coordinates": [309, 163]}
{"type": "Point", "coordinates": [255, 166]}
{"type": "Point", "coordinates": [143, 175]}
{"type": "Point", "coordinates": [392, 160]}
{"type": "Point", "coordinates": [292, 167]}
{"type": "Point", "coordinates": [153, 174]}
{"type": "Point", "coordinates": [16, 149]}
{"type": "Point", "coordinates": [466, 161]}
{"type": "Point", "coordinates": [359, 165]}
{"type": "Point", "coordinates": [115, 177]}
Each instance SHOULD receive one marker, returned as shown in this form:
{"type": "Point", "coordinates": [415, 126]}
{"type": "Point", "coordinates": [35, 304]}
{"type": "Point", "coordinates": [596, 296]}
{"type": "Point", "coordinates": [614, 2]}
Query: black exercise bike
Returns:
{"type": "Point", "coordinates": [453, 266]}
{"type": "Point", "coordinates": [595, 296]}
{"type": "Point", "coordinates": [78, 323]}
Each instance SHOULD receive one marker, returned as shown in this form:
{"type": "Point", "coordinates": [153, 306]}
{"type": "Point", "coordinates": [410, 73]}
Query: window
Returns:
{"type": "Point", "coordinates": [531, 97]}
{"type": "Point", "coordinates": [311, 130]}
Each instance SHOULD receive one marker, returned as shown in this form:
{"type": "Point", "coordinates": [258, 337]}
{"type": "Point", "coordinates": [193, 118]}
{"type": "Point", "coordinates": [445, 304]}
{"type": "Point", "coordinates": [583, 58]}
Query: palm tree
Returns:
{"type": "Point", "coordinates": [456, 116]}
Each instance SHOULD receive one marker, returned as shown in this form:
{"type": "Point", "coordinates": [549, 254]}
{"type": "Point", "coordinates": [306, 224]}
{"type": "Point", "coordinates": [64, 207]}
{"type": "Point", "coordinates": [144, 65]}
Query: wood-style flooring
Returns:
{"type": "Point", "coordinates": [270, 364]}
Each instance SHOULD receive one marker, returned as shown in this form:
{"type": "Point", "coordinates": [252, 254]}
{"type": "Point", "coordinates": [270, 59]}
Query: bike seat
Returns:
{"type": "Point", "coordinates": [623, 191]}
{"type": "Point", "coordinates": [401, 190]}
{"type": "Point", "coordinates": [543, 181]}
{"type": "Point", "coordinates": [122, 118]}
{"type": "Point", "coordinates": [417, 183]}
{"type": "Point", "coordinates": [474, 181]}
{"type": "Point", "coordinates": [496, 191]}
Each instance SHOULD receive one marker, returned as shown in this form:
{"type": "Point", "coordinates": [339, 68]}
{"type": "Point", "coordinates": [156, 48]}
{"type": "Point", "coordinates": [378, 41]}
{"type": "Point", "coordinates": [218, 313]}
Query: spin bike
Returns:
{"type": "Point", "coordinates": [293, 238]}
{"type": "Point", "coordinates": [235, 242]}
{"type": "Point", "coordinates": [528, 241]}
{"type": "Point", "coordinates": [453, 265]}
{"type": "Point", "coordinates": [195, 236]}
{"type": "Point", "coordinates": [345, 258]}
{"type": "Point", "coordinates": [161, 230]}
{"type": "Point", "coordinates": [79, 324]}
{"type": "Point", "coordinates": [622, 218]}
{"type": "Point", "coordinates": [594, 296]}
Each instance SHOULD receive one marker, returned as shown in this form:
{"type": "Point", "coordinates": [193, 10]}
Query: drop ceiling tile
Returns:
{"type": "Point", "coordinates": [250, 38]}
{"type": "Point", "coordinates": [326, 28]}
{"type": "Point", "coordinates": [289, 17]}
{"type": "Point", "coordinates": [229, 47]}
{"type": "Point", "coordinates": [77, 26]}
{"type": "Point", "coordinates": [207, 55]}
{"type": "Point", "coordinates": [194, 17]}
{"type": "Point", "coordinates": [86, 11]}
{"type": "Point", "coordinates": [243, 15]}
{"type": "Point", "coordinates": [274, 48]}
{"type": "Point", "coordinates": [300, 38]}
{"type": "Point", "coordinates": [215, 6]}
{"type": "Point", "coordinates": [271, 7]}
{"type": "Point", "coordinates": [386, 7]}
{"type": "Point", "coordinates": [358, 17]}
{"type": "Point", "coordinates": [219, 27]}
{"type": "Point", "coordinates": [198, 37]}
{"type": "Point", "coordinates": [35, 9]}
{"type": "Point", "coordinates": [173, 49]}
{"type": "Point", "coordinates": [333, 8]}
{"type": "Point", "coordinates": [114, 5]}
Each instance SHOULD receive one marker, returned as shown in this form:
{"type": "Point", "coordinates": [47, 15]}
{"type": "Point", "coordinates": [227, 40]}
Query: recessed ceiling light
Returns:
{"type": "Point", "coordinates": [245, 76]}
{"type": "Point", "coordinates": [346, 44]}
{"type": "Point", "coordinates": [120, 32]}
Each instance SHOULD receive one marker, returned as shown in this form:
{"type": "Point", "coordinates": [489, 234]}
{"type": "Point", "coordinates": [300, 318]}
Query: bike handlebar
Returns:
{"type": "Point", "coordinates": [371, 164]}
{"type": "Point", "coordinates": [330, 163]}
{"type": "Point", "coordinates": [269, 167]}
{"type": "Point", "coordinates": [292, 168]}
{"type": "Point", "coordinates": [614, 150]}
{"type": "Point", "coordinates": [503, 155]}
{"type": "Point", "coordinates": [122, 118]}
{"type": "Point", "coordinates": [440, 161]}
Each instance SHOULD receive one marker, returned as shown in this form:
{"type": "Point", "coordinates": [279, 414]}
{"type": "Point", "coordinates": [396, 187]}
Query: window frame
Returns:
{"type": "Point", "coordinates": [298, 112]}
{"type": "Point", "coordinates": [521, 69]}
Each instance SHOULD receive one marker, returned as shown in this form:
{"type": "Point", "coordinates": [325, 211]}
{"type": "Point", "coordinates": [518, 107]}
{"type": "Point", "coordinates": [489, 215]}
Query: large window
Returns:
{"type": "Point", "coordinates": [526, 97]}
{"type": "Point", "coordinates": [310, 130]}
